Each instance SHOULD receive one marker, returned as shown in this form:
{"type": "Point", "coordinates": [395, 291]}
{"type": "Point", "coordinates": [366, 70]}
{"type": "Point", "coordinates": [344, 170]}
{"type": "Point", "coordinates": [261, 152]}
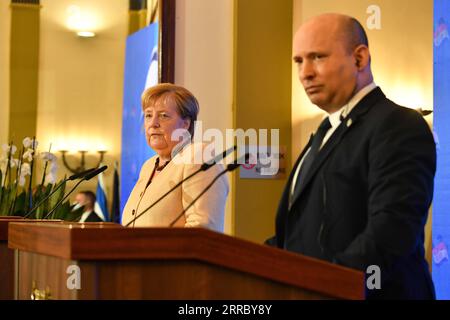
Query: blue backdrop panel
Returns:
{"type": "Point", "coordinates": [441, 202]}
{"type": "Point", "coordinates": [141, 71]}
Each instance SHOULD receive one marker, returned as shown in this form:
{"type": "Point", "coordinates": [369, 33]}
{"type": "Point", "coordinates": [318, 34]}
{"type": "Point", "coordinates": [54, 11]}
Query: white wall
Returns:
{"type": "Point", "coordinates": [5, 26]}
{"type": "Point", "coordinates": [204, 62]}
{"type": "Point", "coordinates": [81, 80]}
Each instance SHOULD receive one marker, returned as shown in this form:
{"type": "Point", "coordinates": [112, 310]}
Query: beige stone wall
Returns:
{"type": "Point", "coordinates": [81, 80]}
{"type": "Point", "coordinates": [5, 22]}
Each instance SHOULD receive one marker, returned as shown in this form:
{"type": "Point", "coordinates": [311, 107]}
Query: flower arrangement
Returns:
{"type": "Point", "coordinates": [30, 200]}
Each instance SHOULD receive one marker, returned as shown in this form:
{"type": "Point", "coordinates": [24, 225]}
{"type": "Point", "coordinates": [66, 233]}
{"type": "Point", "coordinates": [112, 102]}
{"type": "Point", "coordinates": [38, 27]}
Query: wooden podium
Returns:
{"type": "Point", "coordinates": [113, 262]}
{"type": "Point", "coordinates": [7, 259]}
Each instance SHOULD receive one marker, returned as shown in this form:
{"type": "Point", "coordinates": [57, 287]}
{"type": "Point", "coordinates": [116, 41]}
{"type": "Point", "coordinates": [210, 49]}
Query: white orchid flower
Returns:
{"type": "Point", "coordinates": [25, 169]}
{"type": "Point", "coordinates": [28, 155]}
{"type": "Point", "coordinates": [53, 167]}
{"type": "Point", "coordinates": [27, 142]}
{"type": "Point", "coordinates": [3, 165]}
{"type": "Point", "coordinates": [7, 149]}
{"type": "Point", "coordinates": [50, 178]}
{"type": "Point", "coordinates": [47, 156]}
{"type": "Point", "coordinates": [22, 181]}
{"type": "Point", "coordinates": [13, 163]}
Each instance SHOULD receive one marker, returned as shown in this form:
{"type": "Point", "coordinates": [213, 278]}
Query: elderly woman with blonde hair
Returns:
{"type": "Point", "coordinates": [169, 110]}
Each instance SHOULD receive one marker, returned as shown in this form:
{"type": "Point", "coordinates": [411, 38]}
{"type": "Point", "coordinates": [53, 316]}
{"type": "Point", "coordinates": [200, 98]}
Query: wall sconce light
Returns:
{"type": "Point", "coordinates": [82, 162]}
{"type": "Point", "coordinates": [85, 34]}
{"type": "Point", "coordinates": [82, 22]}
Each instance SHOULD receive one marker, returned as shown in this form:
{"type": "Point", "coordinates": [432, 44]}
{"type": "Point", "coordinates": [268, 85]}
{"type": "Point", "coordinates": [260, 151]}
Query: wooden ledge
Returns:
{"type": "Point", "coordinates": [4, 224]}
{"type": "Point", "coordinates": [96, 241]}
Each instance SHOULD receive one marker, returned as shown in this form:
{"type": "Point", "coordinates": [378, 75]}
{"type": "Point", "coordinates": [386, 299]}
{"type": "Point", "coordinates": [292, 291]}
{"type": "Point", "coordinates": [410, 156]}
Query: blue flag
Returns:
{"type": "Point", "coordinates": [101, 207]}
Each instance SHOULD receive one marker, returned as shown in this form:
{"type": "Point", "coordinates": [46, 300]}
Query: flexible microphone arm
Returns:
{"type": "Point", "coordinates": [88, 176]}
{"type": "Point", "coordinates": [72, 177]}
{"type": "Point", "coordinates": [230, 167]}
{"type": "Point", "coordinates": [203, 167]}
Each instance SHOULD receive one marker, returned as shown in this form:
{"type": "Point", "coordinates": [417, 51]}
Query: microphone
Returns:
{"type": "Point", "coordinates": [72, 177]}
{"type": "Point", "coordinates": [80, 174]}
{"type": "Point", "coordinates": [230, 167]}
{"type": "Point", "coordinates": [205, 166]}
{"type": "Point", "coordinates": [92, 174]}
{"type": "Point", "coordinates": [88, 176]}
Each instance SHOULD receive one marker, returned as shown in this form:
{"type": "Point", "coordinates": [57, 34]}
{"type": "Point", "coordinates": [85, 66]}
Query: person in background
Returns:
{"type": "Point", "coordinates": [87, 200]}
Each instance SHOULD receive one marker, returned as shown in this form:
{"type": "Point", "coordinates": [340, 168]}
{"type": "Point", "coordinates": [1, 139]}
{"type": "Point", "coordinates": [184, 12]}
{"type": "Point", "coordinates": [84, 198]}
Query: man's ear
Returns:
{"type": "Point", "coordinates": [362, 57]}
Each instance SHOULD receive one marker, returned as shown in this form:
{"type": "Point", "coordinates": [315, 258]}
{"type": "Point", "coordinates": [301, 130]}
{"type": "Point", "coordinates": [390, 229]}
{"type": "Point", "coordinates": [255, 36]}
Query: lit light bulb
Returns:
{"type": "Point", "coordinates": [86, 34]}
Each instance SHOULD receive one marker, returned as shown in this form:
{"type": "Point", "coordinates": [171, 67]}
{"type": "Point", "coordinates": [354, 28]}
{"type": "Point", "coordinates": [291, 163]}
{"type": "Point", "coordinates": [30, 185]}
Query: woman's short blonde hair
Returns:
{"type": "Point", "coordinates": [186, 103]}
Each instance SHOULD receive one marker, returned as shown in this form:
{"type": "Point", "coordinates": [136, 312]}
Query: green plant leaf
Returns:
{"type": "Point", "coordinates": [46, 205]}
{"type": "Point", "coordinates": [10, 199]}
{"type": "Point", "coordinates": [3, 191]}
{"type": "Point", "coordinates": [57, 196]}
{"type": "Point", "coordinates": [2, 195]}
{"type": "Point", "coordinates": [62, 211]}
{"type": "Point", "coordinates": [54, 199]}
{"type": "Point", "coordinates": [5, 204]}
{"type": "Point", "coordinates": [70, 214]}
{"type": "Point", "coordinates": [19, 209]}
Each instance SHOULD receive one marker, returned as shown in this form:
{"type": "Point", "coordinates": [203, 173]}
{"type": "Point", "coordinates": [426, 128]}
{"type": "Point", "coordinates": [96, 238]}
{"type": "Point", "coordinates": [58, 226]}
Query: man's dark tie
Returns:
{"type": "Point", "coordinates": [312, 154]}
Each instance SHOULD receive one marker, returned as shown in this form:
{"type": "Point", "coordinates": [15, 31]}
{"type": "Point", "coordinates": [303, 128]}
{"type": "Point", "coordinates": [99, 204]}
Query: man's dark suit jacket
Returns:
{"type": "Point", "coordinates": [366, 197]}
{"type": "Point", "coordinates": [93, 217]}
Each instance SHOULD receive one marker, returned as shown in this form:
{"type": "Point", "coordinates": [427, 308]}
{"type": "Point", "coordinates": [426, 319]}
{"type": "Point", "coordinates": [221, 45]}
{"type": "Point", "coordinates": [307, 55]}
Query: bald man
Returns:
{"type": "Point", "coordinates": [360, 191]}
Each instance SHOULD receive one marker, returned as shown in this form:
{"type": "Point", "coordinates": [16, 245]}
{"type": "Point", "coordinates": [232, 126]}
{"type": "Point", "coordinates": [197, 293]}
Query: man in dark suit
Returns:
{"type": "Point", "coordinates": [360, 191]}
{"type": "Point", "coordinates": [87, 200]}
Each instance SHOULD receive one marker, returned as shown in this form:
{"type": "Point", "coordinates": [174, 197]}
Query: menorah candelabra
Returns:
{"type": "Point", "coordinates": [82, 162]}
